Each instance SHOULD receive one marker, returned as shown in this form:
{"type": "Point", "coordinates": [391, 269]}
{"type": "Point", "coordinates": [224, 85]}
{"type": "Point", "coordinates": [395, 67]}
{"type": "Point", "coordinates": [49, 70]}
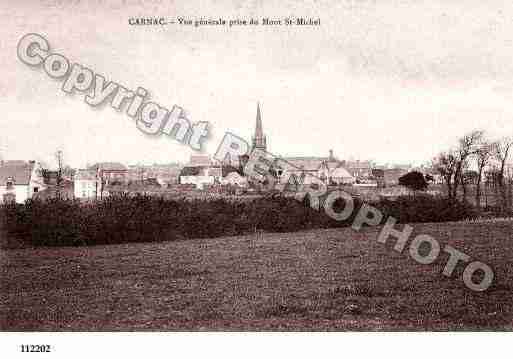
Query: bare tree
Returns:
{"type": "Point", "coordinates": [465, 177]}
{"type": "Point", "coordinates": [59, 158]}
{"type": "Point", "coordinates": [502, 149]}
{"type": "Point", "coordinates": [468, 146]}
{"type": "Point", "coordinates": [445, 164]}
{"type": "Point", "coordinates": [483, 155]}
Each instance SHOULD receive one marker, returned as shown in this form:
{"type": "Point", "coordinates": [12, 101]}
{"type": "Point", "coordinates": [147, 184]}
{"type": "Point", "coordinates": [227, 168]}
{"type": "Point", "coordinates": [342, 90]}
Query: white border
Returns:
{"type": "Point", "coordinates": [259, 345]}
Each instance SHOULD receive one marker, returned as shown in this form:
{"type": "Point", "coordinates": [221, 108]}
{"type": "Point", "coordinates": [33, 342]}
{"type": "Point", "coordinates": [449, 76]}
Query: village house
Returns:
{"type": "Point", "coordinates": [164, 174]}
{"type": "Point", "coordinates": [200, 176]}
{"type": "Point", "coordinates": [110, 172]}
{"type": "Point", "coordinates": [201, 160]}
{"type": "Point", "coordinates": [20, 180]}
{"type": "Point", "coordinates": [302, 170]}
{"type": "Point", "coordinates": [235, 179]}
{"type": "Point", "coordinates": [341, 176]}
{"type": "Point", "coordinates": [58, 185]}
{"type": "Point", "coordinates": [199, 172]}
{"type": "Point", "coordinates": [232, 176]}
{"type": "Point", "coordinates": [86, 184]}
{"type": "Point", "coordinates": [202, 171]}
{"type": "Point", "coordinates": [360, 170]}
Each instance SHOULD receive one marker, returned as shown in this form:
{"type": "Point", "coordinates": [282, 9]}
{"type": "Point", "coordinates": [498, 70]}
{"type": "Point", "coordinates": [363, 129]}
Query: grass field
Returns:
{"type": "Point", "coordinates": [333, 279]}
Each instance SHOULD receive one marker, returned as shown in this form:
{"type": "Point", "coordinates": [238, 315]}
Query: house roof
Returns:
{"type": "Point", "coordinates": [234, 176]}
{"type": "Point", "coordinates": [19, 171]}
{"type": "Point", "coordinates": [212, 170]}
{"type": "Point", "coordinates": [310, 163]}
{"type": "Point", "coordinates": [358, 164]}
{"type": "Point", "coordinates": [14, 162]}
{"type": "Point", "coordinates": [340, 172]}
{"type": "Point", "coordinates": [215, 171]}
{"type": "Point", "coordinates": [200, 160]}
{"type": "Point", "coordinates": [151, 182]}
{"type": "Point", "coordinates": [170, 172]}
{"type": "Point", "coordinates": [192, 170]}
{"type": "Point", "coordinates": [229, 169]}
{"type": "Point", "coordinates": [85, 175]}
{"type": "Point", "coordinates": [108, 166]}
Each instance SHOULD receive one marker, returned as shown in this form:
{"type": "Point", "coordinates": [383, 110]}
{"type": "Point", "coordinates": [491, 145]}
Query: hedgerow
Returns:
{"type": "Point", "coordinates": [126, 219]}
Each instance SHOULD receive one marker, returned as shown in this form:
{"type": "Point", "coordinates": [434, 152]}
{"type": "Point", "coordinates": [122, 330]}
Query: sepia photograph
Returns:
{"type": "Point", "coordinates": [258, 171]}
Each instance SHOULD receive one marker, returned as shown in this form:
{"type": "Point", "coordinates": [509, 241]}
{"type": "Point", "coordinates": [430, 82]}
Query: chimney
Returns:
{"type": "Point", "coordinates": [331, 156]}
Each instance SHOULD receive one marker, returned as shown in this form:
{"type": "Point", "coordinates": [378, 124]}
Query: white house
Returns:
{"type": "Point", "coordinates": [86, 184]}
{"type": "Point", "coordinates": [19, 180]}
{"type": "Point", "coordinates": [200, 175]}
{"type": "Point", "coordinates": [234, 179]}
{"type": "Point", "coordinates": [340, 175]}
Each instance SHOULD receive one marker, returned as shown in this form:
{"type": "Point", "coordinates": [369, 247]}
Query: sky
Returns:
{"type": "Point", "coordinates": [394, 81]}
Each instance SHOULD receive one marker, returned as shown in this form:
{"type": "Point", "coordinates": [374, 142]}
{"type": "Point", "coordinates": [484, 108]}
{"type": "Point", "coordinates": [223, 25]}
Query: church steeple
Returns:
{"type": "Point", "coordinates": [259, 140]}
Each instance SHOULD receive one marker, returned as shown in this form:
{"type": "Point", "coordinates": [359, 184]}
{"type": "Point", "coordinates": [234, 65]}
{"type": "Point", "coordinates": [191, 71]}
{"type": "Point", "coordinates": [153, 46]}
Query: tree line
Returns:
{"type": "Point", "coordinates": [478, 157]}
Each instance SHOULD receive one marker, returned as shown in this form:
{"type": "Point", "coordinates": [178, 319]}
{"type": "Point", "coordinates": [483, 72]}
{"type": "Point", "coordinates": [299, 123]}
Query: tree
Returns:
{"type": "Point", "coordinates": [501, 151]}
{"type": "Point", "coordinates": [470, 177]}
{"type": "Point", "coordinates": [445, 164]}
{"type": "Point", "coordinates": [483, 155]}
{"type": "Point", "coordinates": [414, 180]}
{"type": "Point", "coordinates": [59, 158]}
{"type": "Point", "coordinates": [468, 146]}
{"type": "Point", "coordinates": [243, 160]}
{"type": "Point", "coordinates": [68, 172]}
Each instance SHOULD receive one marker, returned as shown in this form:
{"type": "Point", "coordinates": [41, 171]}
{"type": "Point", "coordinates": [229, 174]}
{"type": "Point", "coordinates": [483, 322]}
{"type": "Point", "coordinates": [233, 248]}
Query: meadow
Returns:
{"type": "Point", "coordinates": [319, 279]}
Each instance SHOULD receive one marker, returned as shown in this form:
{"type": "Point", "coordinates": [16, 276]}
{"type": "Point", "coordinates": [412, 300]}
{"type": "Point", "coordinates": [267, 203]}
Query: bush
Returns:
{"type": "Point", "coordinates": [125, 219]}
{"type": "Point", "coordinates": [414, 181]}
{"type": "Point", "coordinates": [425, 208]}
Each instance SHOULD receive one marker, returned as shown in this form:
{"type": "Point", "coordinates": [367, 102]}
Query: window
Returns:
{"type": "Point", "coordinates": [9, 184]}
{"type": "Point", "coordinates": [36, 189]}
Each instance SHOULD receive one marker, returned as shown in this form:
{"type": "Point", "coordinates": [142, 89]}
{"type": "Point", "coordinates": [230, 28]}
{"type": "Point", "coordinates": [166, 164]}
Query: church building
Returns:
{"type": "Point", "coordinates": [301, 169]}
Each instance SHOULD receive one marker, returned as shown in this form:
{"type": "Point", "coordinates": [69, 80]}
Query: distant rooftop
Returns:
{"type": "Point", "coordinates": [200, 160]}
{"type": "Point", "coordinates": [18, 170]}
{"type": "Point", "coordinates": [85, 175]}
{"type": "Point", "coordinates": [108, 166]}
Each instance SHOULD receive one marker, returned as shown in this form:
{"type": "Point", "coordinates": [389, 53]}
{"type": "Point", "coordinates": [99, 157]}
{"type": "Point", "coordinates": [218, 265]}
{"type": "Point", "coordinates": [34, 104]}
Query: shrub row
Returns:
{"type": "Point", "coordinates": [122, 219]}
{"type": "Point", "coordinates": [425, 208]}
